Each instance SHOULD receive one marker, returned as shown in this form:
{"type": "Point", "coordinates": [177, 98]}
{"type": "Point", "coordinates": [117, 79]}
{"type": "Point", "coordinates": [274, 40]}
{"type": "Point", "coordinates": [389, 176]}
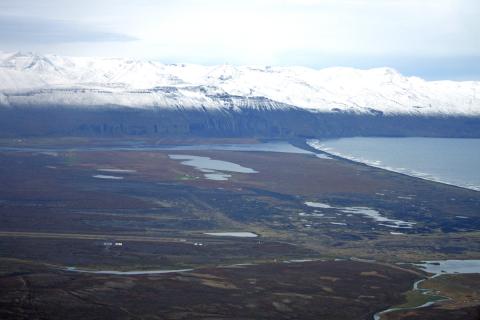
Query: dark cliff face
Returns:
{"type": "Point", "coordinates": [287, 123]}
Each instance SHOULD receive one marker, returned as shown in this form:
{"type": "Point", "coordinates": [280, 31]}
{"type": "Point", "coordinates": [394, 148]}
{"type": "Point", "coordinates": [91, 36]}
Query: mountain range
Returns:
{"type": "Point", "coordinates": [113, 92]}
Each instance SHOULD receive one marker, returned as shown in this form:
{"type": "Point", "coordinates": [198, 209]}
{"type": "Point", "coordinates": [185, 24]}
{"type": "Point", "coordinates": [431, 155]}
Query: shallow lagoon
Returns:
{"type": "Point", "coordinates": [233, 234]}
{"type": "Point", "coordinates": [212, 169]}
{"type": "Point", "coordinates": [364, 211]}
{"type": "Point", "coordinates": [117, 170]}
{"type": "Point", "coordinates": [128, 273]}
{"type": "Point", "coordinates": [450, 266]}
{"type": "Point", "coordinates": [102, 176]}
{"type": "Point", "coordinates": [278, 146]}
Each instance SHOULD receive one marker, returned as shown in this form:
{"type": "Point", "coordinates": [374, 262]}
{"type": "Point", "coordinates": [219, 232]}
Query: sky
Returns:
{"type": "Point", "coordinates": [433, 39]}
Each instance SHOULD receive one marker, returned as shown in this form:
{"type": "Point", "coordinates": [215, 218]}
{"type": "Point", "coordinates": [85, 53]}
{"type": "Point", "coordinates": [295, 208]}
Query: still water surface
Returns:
{"type": "Point", "coordinates": [453, 161]}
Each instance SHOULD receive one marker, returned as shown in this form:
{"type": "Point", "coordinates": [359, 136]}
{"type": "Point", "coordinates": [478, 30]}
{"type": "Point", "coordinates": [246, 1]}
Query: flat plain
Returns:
{"type": "Point", "coordinates": [335, 238]}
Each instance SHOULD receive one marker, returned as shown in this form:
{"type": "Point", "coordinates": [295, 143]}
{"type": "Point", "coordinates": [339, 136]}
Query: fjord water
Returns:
{"type": "Point", "coordinates": [453, 161]}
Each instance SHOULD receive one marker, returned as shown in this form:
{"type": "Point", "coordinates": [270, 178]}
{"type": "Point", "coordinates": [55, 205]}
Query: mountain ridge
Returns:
{"type": "Point", "coordinates": [34, 80]}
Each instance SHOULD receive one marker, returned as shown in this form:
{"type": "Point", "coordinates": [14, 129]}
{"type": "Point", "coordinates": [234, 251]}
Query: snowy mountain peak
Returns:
{"type": "Point", "coordinates": [20, 60]}
{"type": "Point", "coordinates": [33, 79]}
{"type": "Point", "coordinates": [223, 72]}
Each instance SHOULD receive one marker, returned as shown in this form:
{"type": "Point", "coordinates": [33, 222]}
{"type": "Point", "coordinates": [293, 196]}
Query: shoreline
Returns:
{"type": "Point", "coordinates": [370, 163]}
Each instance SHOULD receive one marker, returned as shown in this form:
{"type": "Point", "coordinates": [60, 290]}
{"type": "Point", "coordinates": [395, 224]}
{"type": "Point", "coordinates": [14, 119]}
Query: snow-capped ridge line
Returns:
{"type": "Point", "coordinates": [30, 79]}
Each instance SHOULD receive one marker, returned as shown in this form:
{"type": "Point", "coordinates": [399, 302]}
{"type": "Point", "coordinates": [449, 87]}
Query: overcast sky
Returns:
{"type": "Point", "coordinates": [435, 39]}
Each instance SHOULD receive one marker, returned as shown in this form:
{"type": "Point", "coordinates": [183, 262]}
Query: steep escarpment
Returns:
{"type": "Point", "coordinates": [280, 123]}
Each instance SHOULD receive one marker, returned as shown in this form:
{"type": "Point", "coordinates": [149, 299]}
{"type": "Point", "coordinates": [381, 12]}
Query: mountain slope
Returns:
{"type": "Point", "coordinates": [32, 80]}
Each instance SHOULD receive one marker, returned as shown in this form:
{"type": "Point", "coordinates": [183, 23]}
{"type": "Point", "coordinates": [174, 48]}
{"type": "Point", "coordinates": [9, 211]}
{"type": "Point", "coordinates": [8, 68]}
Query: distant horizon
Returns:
{"type": "Point", "coordinates": [431, 39]}
{"type": "Point", "coordinates": [412, 73]}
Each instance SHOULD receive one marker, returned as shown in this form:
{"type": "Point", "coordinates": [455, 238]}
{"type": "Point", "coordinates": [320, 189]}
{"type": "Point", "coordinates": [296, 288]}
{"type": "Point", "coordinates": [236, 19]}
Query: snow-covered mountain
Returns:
{"type": "Point", "coordinates": [28, 79]}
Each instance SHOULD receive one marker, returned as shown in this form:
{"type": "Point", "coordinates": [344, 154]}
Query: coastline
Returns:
{"type": "Point", "coordinates": [375, 164]}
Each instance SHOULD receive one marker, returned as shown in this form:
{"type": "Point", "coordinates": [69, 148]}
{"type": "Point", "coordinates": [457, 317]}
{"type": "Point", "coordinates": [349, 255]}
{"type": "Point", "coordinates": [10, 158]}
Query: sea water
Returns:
{"type": "Point", "coordinates": [454, 161]}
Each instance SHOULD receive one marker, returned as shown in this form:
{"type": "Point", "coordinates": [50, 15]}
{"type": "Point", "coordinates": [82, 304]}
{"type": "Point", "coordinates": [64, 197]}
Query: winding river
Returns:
{"type": "Point", "coordinates": [438, 268]}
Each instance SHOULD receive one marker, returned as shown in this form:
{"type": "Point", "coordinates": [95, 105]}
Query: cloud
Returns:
{"type": "Point", "coordinates": [428, 35]}
{"type": "Point", "coordinates": [21, 29]}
